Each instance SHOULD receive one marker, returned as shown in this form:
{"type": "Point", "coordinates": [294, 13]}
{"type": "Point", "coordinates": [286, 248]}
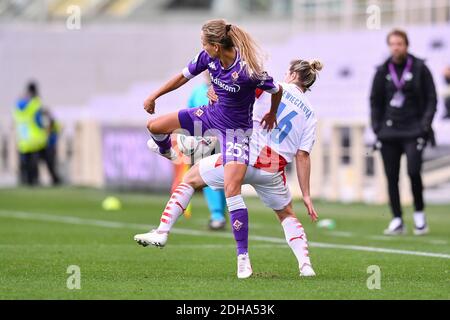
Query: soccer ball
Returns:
{"type": "Point", "coordinates": [196, 147]}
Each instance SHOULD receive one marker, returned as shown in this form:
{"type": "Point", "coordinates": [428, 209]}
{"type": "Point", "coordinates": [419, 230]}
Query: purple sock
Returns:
{"type": "Point", "coordinates": [163, 141]}
{"type": "Point", "coordinates": [239, 224]}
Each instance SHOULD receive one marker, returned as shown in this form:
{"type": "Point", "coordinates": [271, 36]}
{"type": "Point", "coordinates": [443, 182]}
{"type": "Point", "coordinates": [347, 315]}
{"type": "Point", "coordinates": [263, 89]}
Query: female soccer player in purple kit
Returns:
{"type": "Point", "coordinates": [234, 62]}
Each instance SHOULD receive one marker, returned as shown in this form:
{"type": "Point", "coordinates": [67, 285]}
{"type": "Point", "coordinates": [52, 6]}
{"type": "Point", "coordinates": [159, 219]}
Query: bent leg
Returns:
{"type": "Point", "coordinates": [165, 124]}
{"type": "Point", "coordinates": [161, 128]}
{"type": "Point", "coordinates": [180, 198]}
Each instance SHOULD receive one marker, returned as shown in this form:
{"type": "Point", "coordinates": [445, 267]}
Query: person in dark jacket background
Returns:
{"type": "Point", "coordinates": [403, 103]}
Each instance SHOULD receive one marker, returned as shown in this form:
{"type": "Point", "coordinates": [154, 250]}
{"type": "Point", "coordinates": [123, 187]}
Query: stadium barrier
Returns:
{"type": "Point", "coordinates": [344, 167]}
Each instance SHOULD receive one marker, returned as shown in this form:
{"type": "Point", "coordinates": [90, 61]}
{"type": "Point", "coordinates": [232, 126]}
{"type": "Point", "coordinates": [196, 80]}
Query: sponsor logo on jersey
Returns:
{"type": "Point", "coordinates": [234, 88]}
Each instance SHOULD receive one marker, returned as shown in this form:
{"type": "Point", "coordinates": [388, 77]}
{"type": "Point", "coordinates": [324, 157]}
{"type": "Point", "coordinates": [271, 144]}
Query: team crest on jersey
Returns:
{"type": "Point", "coordinates": [235, 75]}
{"type": "Point", "coordinates": [237, 225]}
{"type": "Point", "coordinates": [199, 112]}
{"type": "Point", "coordinates": [212, 65]}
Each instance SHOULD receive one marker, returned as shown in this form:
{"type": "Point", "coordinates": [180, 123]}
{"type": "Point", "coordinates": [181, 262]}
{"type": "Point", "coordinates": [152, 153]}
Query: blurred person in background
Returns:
{"type": "Point", "coordinates": [31, 134]}
{"type": "Point", "coordinates": [447, 92]}
{"type": "Point", "coordinates": [49, 154]}
{"type": "Point", "coordinates": [403, 104]}
{"type": "Point", "coordinates": [214, 198]}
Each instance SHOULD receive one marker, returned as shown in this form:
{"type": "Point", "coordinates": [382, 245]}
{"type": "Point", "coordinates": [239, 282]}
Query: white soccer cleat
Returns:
{"type": "Point", "coordinates": [420, 224]}
{"type": "Point", "coordinates": [396, 227]}
{"type": "Point", "coordinates": [307, 271]}
{"type": "Point", "coordinates": [170, 154]}
{"type": "Point", "coordinates": [244, 267]}
{"type": "Point", "coordinates": [155, 238]}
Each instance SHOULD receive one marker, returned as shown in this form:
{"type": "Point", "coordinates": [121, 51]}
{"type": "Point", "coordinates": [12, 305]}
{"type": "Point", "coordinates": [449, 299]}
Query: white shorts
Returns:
{"type": "Point", "coordinates": [270, 187]}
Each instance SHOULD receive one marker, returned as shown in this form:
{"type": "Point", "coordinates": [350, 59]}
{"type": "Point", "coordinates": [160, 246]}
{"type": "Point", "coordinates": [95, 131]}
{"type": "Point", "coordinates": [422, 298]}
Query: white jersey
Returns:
{"type": "Point", "coordinates": [295, 131]}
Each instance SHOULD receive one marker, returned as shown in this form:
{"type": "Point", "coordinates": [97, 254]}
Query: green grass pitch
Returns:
{"type": "Point", "coordinates": [44, 231]}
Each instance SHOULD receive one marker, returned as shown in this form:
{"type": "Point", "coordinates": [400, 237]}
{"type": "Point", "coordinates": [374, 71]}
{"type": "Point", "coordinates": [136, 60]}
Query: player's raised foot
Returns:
{"type": "Point", "coordinates": [155, 238]}
{"type": "Point", "coordinates": [217, 224]}
{"type": "Point", "coordinates": [420, 224]}
{"type": "Point", "coordinates": [395, 228]}
{"type": "Point", "coordinates": [244, 266]}
{"type": "Point", "coordinates": [306, 270]}
{"type": "Point", "coordinates": [171, 154]}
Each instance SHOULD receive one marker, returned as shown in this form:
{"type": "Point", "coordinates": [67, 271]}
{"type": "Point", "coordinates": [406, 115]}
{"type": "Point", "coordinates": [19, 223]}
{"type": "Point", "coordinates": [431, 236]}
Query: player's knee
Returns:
{"type": "Point", "coordinates": [153, 126]}
{"type": "Point", "coordinates": [287, 212]}
{"type": "Point", "coordinates": [150, 125]}
{"type": "Point", "coordinates": [193, 179]}
{"type": "Point", "coordinates": [193, 183]}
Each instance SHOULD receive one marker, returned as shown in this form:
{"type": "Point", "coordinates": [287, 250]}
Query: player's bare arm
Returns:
{"type": "Point", "coordinates": [303, 164]}
{"type": "Point", "coordinates": [269, 121]}
{"type": "Point", "coordinates": [171, 85]}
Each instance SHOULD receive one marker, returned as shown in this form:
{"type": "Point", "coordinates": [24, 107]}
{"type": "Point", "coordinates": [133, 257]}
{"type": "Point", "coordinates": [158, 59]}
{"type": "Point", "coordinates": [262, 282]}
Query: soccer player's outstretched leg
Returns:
{"type": "Point", "coordinates": [175, 207]}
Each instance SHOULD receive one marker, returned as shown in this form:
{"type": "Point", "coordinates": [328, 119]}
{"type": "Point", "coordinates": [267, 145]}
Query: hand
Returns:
{"type": "Point", "coordinates": [212, 96]}
{"type": "Point", "coordinates": [149, 105]}
{"type": "Point", "coordinates": [269, 121]}
{"type": "Point", "coordinates": [310, 208]}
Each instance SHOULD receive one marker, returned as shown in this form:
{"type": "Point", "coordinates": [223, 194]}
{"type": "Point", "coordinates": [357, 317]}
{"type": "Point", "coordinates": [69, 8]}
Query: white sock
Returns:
{"type": "Point", "coordinates": [419, 219]}
{"type": "Point", "coordinates": [175, 207]}
{"type": "Point", "coordinates": [296, 239]}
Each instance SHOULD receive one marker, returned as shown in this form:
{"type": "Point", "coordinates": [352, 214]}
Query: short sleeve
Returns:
{"type": "Point", "coordinates": [261, 106]}
{"type": "Point", "coordinates": [268, 84]}
{"type": "Point", "coordinates": [197, 65]}
{"type": "Point", "coordinates": [309, 135]}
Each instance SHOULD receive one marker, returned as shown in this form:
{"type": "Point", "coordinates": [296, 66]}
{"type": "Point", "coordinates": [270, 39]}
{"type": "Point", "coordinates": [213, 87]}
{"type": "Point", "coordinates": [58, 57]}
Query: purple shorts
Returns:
{"type": "Point", "coordinates": [235, 144]}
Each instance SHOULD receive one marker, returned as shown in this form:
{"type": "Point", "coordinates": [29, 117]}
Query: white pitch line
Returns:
{"type": "Point", "coordinates": [344, 234]}
{"type": "Point", "coordinates": [383, 238]}
{"type": "Point", "coordinates": [118, 225]}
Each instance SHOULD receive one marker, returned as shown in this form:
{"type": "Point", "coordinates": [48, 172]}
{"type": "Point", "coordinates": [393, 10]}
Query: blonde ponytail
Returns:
{"type": "Point", "coordinates": [228, 36]}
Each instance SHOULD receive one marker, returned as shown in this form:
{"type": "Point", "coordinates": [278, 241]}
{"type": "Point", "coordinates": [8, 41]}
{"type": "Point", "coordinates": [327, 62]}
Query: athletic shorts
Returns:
{"type": "Point", "coordinates": [234, 147]}
{"type": "Point", "coordinates": [270, 187]}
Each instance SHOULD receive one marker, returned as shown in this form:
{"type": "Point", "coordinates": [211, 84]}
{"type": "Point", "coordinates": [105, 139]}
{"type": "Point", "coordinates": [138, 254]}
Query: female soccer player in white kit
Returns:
{"type": "Point", "coordinates": [270, 152]}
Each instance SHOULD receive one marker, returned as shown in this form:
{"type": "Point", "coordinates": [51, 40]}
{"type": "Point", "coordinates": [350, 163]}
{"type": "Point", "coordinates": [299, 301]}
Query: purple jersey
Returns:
{"type": "Point", "coordinates": [235, 89]}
